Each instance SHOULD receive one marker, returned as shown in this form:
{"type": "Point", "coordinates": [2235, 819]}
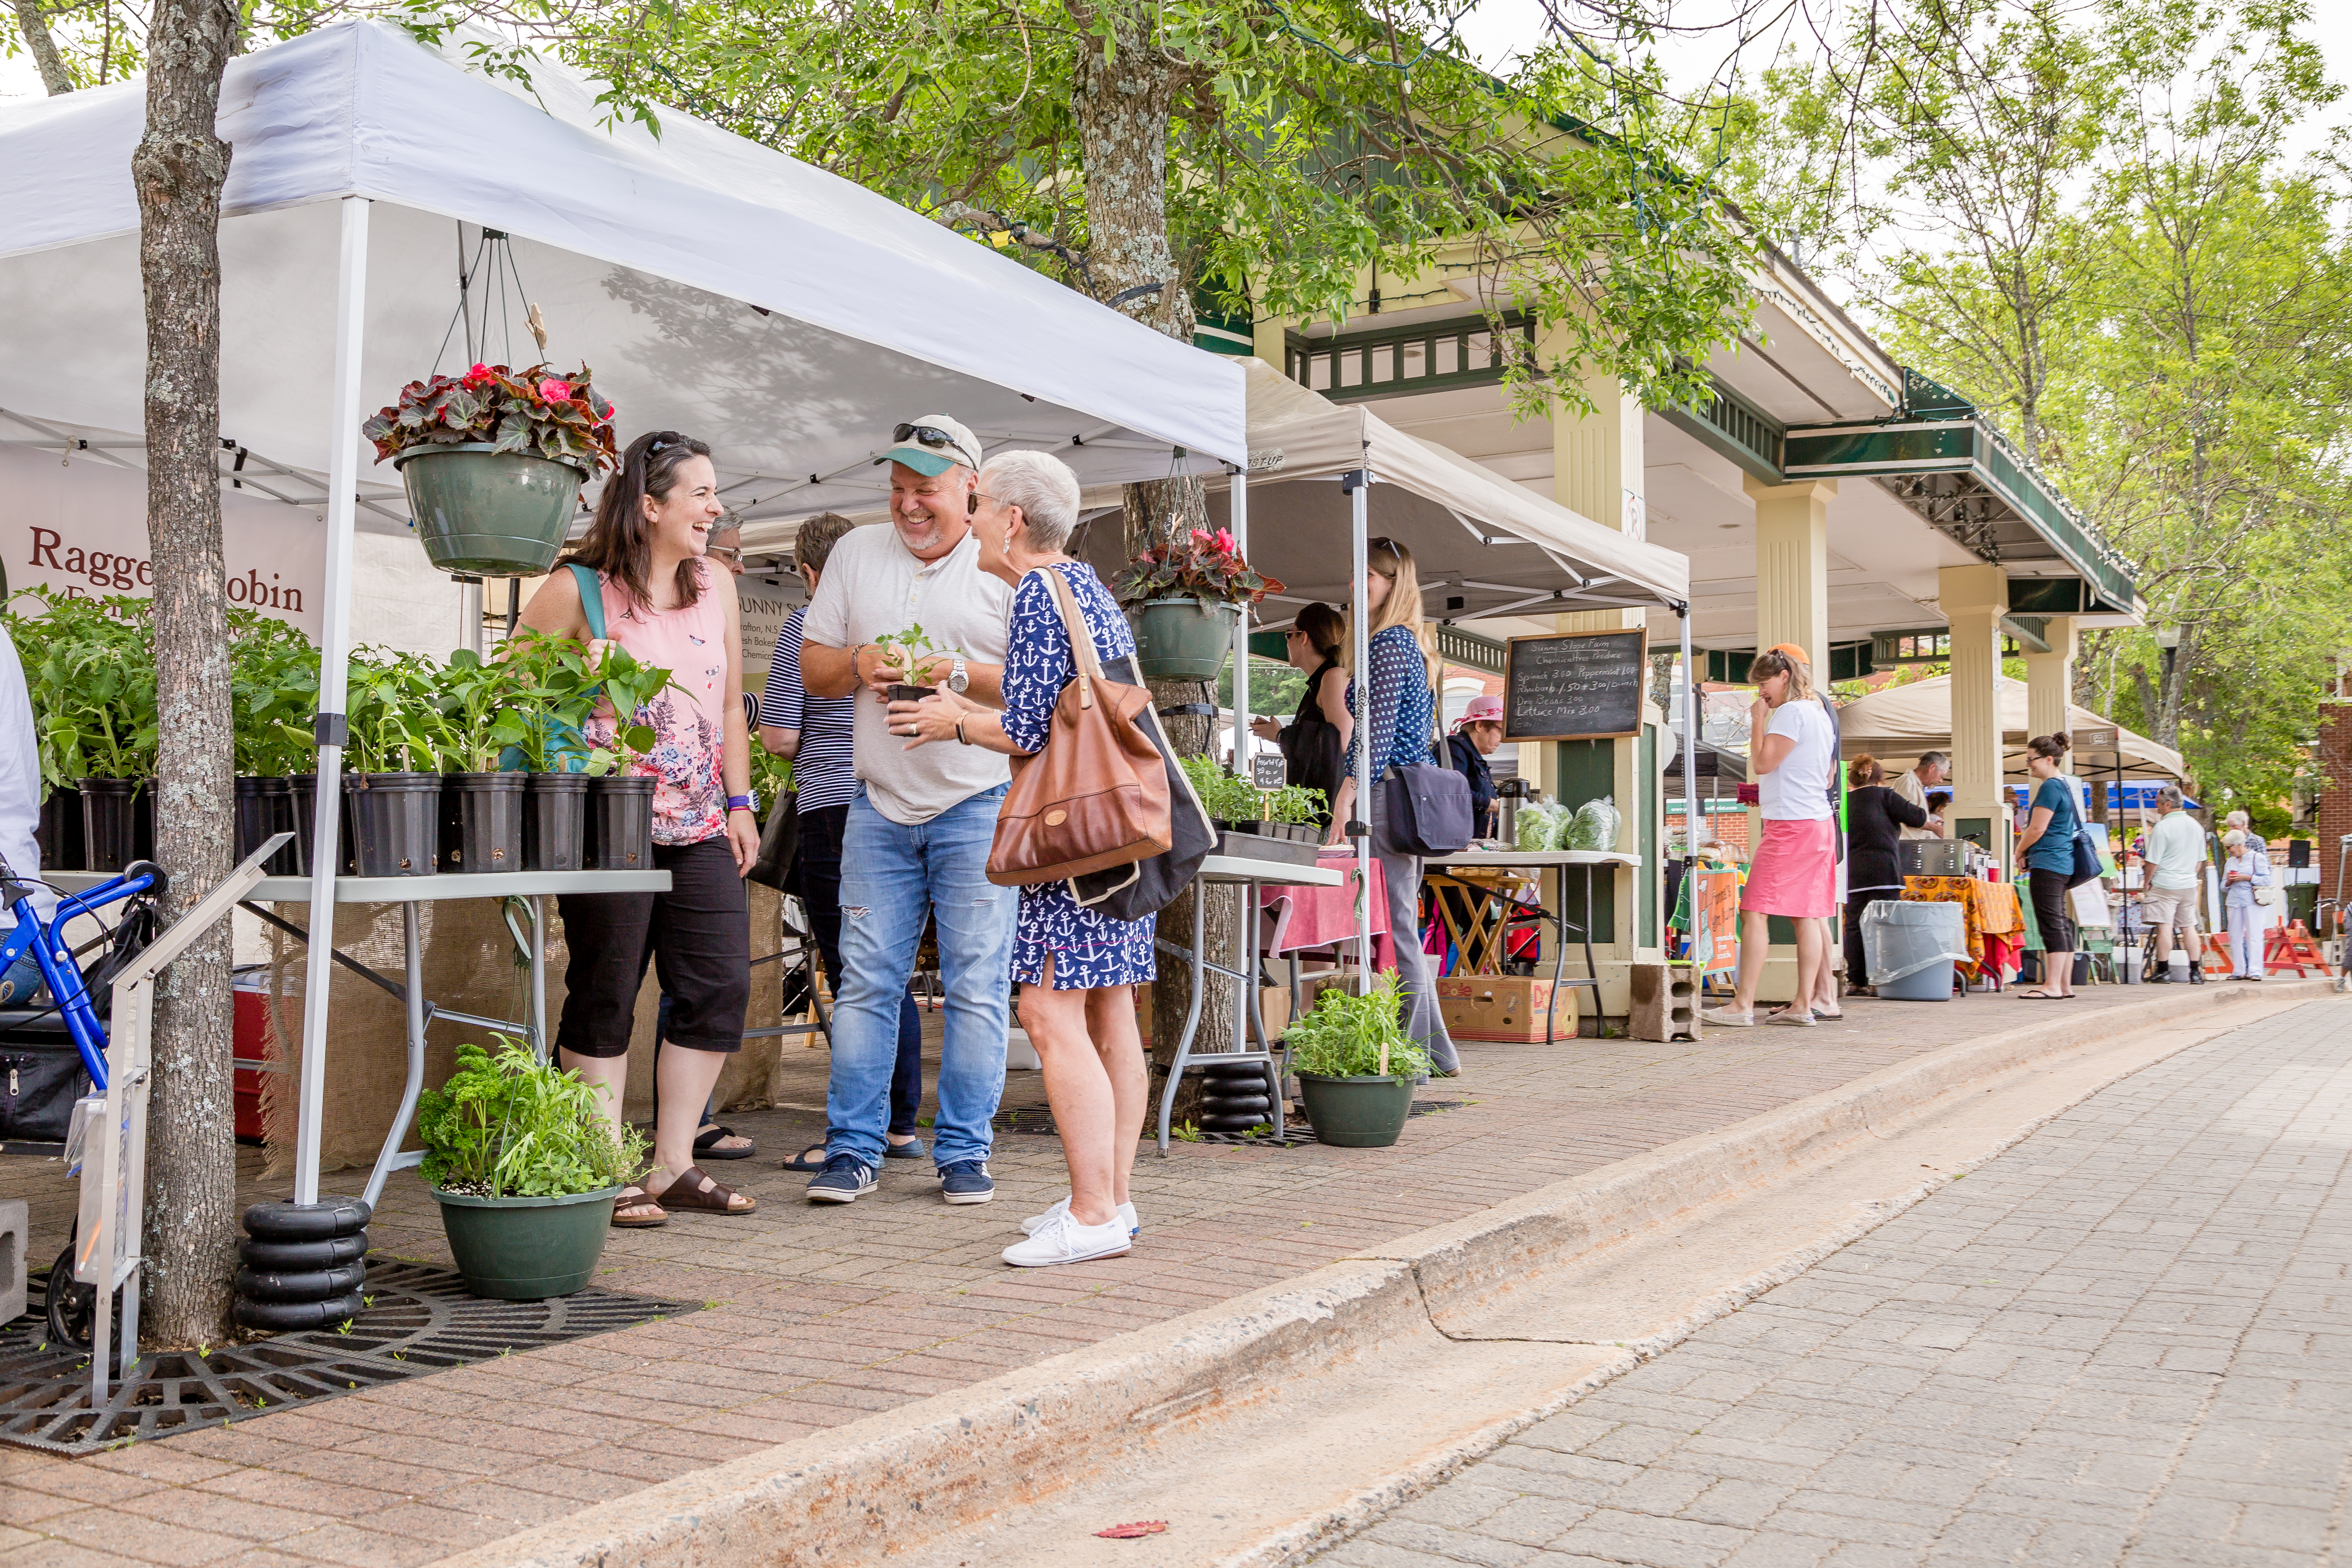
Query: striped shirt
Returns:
{"type": "Point", "coordinates": [821, 768]}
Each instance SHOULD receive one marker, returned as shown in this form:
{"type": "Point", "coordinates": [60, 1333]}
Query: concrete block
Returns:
{"type": "Point", "coordinates": [1662, 1003]}
{"type": "Point", "coordinates": [15, 1232]}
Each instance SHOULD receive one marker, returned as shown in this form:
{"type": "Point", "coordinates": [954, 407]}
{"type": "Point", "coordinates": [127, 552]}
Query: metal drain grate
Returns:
{"type": "Point", "coordinates": [1038, 1122]}
{"type": "Point", "coordinates": [418, 1321]}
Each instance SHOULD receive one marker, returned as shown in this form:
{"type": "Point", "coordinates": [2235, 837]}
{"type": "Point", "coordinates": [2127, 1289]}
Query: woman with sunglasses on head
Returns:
{"type": "Point", "coordinates": [657, 595]}
{"type": "Point", "coordinates": [1310, 742]}
{"type": "Point", "coordinates": [1400, 715]}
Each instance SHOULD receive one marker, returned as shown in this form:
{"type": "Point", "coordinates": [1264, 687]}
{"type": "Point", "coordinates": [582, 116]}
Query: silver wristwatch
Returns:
{"type": "Point", "coordinates": [958, 680]}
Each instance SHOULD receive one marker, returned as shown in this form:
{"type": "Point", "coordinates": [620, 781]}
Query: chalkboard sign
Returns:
{"type": "Point", "coordinates": [1575, 685]}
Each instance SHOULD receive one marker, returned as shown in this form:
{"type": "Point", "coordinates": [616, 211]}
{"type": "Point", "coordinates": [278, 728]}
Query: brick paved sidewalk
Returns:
{"type": "Point", "coordinates": [2122, 1343]}
{"type": "Point", "coordinates": [821, 1316]}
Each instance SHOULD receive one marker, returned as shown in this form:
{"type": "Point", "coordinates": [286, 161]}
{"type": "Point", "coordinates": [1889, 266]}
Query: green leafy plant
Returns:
{"type": "Point", "coordinates": [1345, 1036]}
{"type": "Point", "coordinates": [1201, 566]}
{"type": "Point", "coordinates": [535, 412]}
{"type": "Point", "coordinates": [89, 669]}
{"type": "Point", "coordinates": [771, 775]}
{"type": "Point", "coordinates": [1222, 795]}
{"type": "Point", "coordinates": [273, 693]}
{"type": "Point", "coordinates": [912, 651]}
{"type": "Point", "coordinates": [511, 1126]}
{"type": "Point", "coordinates": [479, 712]}
{"type": "Point", "coordinates": [628, 684]}
{"type": "Point", "coordinates": [1295, 804]}
{"type": "Point", "coordinates": [396, 721]}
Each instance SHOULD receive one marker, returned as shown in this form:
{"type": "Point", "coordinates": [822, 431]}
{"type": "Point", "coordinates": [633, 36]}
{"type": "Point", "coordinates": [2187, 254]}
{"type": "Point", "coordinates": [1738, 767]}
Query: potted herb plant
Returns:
{"type": "Point", "coordinates": [621, 800]}
{"type": "Point", "coordinates": [1356, 1066]}
{"type": "Point", "coordinates": [494, 460]}
{"type": "Point", "coordinates": [1184, 597]}
{"type": "Point", "coordinates": [398, 735]}
{"type": "Point", "coordinates": [92, 685]}
{"type": "Point", "coordinates": [525, 1166]}
{"type": "Point", "coordinates": [915, 653]}
{"type": "Point", "coordinates": [481, 805]}
{"type": "Point", "coordinates": [273, 691]}
{"type": "Point", "coordinates": [1244, 814]}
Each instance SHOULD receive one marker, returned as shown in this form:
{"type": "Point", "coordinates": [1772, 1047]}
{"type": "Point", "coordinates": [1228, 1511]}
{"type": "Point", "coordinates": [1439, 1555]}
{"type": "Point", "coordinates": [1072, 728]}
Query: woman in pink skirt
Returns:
{"type": "Point", "coordinates": [1794, 760]}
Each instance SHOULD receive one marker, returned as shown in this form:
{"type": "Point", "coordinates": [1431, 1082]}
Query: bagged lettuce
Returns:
{"type": "Point", "coordinates": [1596, 826]}
{"type": "Point", "coordinates": [1538, 827]}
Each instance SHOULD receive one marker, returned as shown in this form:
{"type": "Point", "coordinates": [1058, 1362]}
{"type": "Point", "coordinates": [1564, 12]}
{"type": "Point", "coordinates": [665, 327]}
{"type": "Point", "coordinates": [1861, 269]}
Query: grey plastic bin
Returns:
{"type": "Point", "coordinates": [1910, 949]}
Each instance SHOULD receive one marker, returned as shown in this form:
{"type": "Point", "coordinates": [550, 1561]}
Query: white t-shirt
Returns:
{"type": "Point", "coordinates": [1798, 789]}
{"type": "Point", "coordinates": [872, 586]}
{"type": "Point", "coordinates": [2176, 845]}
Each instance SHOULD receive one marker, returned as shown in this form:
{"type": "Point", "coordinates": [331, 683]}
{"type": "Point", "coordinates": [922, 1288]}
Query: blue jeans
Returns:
{"type": "Point", "coordinates": [816, 872]}
{"type": "Point", "coordinates": [891, 877]}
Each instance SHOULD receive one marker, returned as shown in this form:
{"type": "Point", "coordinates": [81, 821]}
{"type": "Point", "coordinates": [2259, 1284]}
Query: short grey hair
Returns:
{"type": "Point", "coordinates": [2170, 797]}
{"type": "Point", "coordinates": [1043, 487]}
{"type": "Point", "coordinates": [1934, 760]}
{"type": "Point", "coordinates": [2238, 819]}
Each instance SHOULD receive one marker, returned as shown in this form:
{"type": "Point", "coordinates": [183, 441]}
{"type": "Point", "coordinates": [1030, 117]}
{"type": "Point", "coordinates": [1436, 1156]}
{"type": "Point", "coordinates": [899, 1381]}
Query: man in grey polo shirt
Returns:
{"type": "Point", "coordinates": [916, 843]}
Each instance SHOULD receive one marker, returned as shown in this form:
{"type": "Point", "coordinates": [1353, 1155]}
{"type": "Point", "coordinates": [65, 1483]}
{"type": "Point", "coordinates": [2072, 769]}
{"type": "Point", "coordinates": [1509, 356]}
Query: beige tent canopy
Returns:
{"type": "Point", "coordinates": [1898, 723]}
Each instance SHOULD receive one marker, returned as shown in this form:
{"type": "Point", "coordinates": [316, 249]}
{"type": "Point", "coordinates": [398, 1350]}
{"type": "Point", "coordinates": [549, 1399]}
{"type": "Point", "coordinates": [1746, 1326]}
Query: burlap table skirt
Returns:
{"type": "Point", "coordinates": [471, 963]}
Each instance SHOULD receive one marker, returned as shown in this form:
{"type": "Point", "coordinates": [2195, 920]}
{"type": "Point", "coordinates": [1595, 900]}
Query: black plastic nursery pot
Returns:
{"type": "Point", "coordinates": [554, 822]}
{"type": "Point", "coordinates": [905, 693]}
{"type": "Point", "coordinates": [1268, 841]}
{"type": "Point", "coordinates": [1356, 1113]}
{"type": "Point", "coordinates": [258, 806]}
{"type": "Point", "coordinates": [481, 822]}
{"type": "Point", "coordinates": [59, 836]}
{"type": "Point", "coordinates": [288, 860]}
{"type": "Point", "coordinates": [621, 823]}
{"type": "Point", "coordinates": [302, 816]}
{"type": "Point", "coordinates": [109, 823]}
{"type": "Point", "coordinates": [396, 823]}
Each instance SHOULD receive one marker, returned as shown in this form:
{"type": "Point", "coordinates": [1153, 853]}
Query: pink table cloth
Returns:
{"type": "Point", "coordinates": [1304, 917]}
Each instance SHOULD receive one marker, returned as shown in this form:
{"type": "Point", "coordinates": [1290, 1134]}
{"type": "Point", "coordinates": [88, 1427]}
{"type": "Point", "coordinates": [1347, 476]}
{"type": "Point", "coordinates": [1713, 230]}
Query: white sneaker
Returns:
{"type": "Point", "coordinates": [1037, 1222]}
{"type": "Point", "coordinates": [1063, 1240]}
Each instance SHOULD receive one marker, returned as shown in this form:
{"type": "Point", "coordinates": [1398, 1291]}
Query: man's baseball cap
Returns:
{"type": "Point", "coordinates": [932, 445]}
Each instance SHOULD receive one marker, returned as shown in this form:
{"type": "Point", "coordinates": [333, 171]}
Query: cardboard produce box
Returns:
{"type": "Point", "coordinates": [1508, 1007]}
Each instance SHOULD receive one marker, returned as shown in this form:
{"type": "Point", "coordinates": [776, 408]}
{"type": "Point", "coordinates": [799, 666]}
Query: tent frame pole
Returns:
{"type": "Point", "coordinates": [1690, 741]}
{"type": "Point", "coordinates": [1358, 482]}
{"type": "Point", "coordinates": [331, 726]}
{"type": "Point", "coordinates": [1238, 505]}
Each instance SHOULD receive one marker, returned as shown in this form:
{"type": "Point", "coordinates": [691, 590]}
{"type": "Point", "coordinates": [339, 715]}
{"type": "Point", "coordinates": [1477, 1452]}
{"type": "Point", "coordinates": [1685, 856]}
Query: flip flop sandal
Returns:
{"type": "Point", "coordinates": [808, 1159]}
{"type": "Point", "coordinates": [695, 1190]}
{"type": "Point", "coordinates": [707, 1141]}
{"type": "Point", "coordinates": [636, 1197]}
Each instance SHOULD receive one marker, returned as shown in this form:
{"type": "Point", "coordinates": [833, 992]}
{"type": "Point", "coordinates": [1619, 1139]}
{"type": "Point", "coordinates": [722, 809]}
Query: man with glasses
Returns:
{"type": "Point", "coordinates": [915, 844]}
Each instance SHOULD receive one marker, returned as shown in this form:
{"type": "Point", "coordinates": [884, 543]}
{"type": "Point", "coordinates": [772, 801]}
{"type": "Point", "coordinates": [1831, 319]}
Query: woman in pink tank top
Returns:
{"type": "Point", "coordinates": [664, 603]}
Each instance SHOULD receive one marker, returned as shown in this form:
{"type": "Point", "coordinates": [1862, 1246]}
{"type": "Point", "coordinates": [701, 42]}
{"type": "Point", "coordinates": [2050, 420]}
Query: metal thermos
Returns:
{"type": "Point", "coordinates": [1507, 796]}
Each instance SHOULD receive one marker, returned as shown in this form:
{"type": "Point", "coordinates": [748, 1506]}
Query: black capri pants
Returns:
{"type": "Point", "coordinates": [699, 936]}
{"type": "Point", "coordinates": [2051, 910]}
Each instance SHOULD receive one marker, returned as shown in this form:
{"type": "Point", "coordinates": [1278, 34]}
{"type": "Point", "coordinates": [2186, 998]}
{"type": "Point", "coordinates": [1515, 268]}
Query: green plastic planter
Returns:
{"type": "Point", "coordinates": [526, 1250]}
{"type": "Point", "coordinates": [1356, 1113]}
{"type": "Point", "coordinates": [1183, 639]}
{"type": "Point", "coordinates": [489, 512]}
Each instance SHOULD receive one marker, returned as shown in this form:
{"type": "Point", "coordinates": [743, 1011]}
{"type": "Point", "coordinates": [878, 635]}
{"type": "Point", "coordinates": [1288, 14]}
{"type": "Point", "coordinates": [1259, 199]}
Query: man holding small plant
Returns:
{"type": "Point", "coordinates": [916, 842]}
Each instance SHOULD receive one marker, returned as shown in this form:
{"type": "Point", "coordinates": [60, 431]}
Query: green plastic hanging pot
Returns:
{"type": "Point", "coordinates": [488, 512]}
{"type": "Point", "coordinates": [1183, 639]}
{"type": "Point", "coordinates": [526, 1250]}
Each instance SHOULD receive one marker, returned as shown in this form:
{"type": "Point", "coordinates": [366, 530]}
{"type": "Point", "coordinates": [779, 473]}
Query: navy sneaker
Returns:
{"type": "Point", "coordinates": [966, 1182]}
{"type": "Point", "coordinates": [844, 1176]}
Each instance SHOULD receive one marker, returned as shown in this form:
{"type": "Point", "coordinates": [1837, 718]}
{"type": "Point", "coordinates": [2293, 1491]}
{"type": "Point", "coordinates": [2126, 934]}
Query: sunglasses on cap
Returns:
{"type": "Point", "coordinates": [928, 434]}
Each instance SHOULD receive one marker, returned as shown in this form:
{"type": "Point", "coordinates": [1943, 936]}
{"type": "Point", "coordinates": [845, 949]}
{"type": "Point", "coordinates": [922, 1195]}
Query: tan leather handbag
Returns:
{"type": "Point", "coordinates": [1095, 794]}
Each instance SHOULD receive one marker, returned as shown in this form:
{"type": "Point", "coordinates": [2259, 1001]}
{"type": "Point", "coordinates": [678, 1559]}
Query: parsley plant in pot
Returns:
{"type": "Point", "coordinates": [494, 460]}
{"type": "Point", "coordinates": [1184, 597]}
{"type": "Point", "coordinates": [525, 1165]}
{"type": "Point", "coordinates": [1356, 1066]}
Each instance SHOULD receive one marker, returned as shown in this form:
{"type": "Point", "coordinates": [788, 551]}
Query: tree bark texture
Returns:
{"type": "Point", "coordinates": [1126, 89]}
{"type": "Point", "coordinates": [43, 47]}
{"type": "Point", "coordinates": [178, 169]}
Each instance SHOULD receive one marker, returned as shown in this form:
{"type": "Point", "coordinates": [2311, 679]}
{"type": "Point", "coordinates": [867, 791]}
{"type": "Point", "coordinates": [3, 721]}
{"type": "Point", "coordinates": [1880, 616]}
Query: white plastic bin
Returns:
{"type": "Point", "coordinates": [1910, 949]}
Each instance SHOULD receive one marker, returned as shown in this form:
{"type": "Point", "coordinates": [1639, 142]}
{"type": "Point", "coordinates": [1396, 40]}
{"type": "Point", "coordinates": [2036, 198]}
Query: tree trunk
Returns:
{"type": "Point", "coordinates": [1123, 98]}
{"type": "Point", "coordinates": [180, 165]}
{"type": "Point", "coordinates": [43, 47]}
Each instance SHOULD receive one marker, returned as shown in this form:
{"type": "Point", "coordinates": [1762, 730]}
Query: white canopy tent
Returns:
{"type": "Point", "coordinates": [1481, 545]}
{"type": "Point", "coordinates": [1899, 722]}
{"type": "Point", "coordinates": [715, 286]}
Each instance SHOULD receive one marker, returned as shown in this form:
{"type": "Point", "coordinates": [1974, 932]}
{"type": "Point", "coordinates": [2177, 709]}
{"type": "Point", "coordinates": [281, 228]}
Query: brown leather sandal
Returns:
{"type": "Point", "coordinates": [695, 1190]}
{"type": "Point", "coordinates": [634, 1197]}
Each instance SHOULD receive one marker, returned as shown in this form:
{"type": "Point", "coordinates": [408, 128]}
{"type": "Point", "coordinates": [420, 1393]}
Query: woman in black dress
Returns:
{"type": "Point", "coordinates": [1313, 750]}
{"type": "Point", "coordinates": [1876, 816]}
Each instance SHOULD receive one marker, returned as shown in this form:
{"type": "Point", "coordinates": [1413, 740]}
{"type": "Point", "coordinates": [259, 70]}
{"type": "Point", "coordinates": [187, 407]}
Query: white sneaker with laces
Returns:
{"type": "Point", "coordinates": [1063, 1239]}
{"type": "Point", "coordinates": [1037, 1222]}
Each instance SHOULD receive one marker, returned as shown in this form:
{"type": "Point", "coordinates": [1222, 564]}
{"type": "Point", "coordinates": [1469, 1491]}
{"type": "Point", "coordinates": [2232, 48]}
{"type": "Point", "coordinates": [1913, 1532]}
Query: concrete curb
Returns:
{"type": "Point", "coordinates": [884, 1483]}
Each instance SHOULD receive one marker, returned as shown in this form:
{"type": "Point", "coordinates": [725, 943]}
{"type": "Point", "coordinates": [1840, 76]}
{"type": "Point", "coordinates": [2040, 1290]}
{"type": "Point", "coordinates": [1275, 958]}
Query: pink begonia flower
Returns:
{"type": "Point", "coordinates": [556, 391]}
{"type": "Point", "coordinates": [479, 372]}
{"type": "Point", "coordinates": [1225, 539]}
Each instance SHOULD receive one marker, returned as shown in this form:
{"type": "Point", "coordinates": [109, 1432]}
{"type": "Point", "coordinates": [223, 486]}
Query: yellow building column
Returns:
{"type": "Point", "coordinates": [1792, 567]}
{"type": "Point", "coordinates": [2050, 678]}
{"type": "Point", "coordinates": [1974, 599]}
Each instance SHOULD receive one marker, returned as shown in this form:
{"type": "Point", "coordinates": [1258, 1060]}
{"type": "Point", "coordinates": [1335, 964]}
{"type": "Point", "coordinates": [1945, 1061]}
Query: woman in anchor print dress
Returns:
{"type": "Point", "coordinates": [1077, 969]}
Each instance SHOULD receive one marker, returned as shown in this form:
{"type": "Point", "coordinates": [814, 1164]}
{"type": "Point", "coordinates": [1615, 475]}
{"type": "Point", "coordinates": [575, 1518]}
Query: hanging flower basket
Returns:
{"type": "Point", "coordinates": [493, 461]}
{"type": "Point", "coordinates": [1184, 597]}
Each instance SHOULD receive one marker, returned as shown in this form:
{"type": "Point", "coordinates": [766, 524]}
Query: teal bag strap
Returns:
{"type": "Point", "coordinates": [592, 599]}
